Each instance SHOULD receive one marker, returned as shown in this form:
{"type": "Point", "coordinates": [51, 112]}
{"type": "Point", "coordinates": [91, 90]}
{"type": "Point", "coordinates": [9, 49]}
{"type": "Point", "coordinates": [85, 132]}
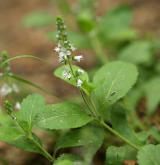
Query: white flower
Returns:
{"type": "Point", "coordinates": [67, 74]}
{"type": "Point", "coordinates": [78, 58]}
{"type": "Point", "coordinates": [57, 49]}
{"type": "Point", "coordinates": [62, 57]}
{"type": "Point", "coordinates": [17, 106]}
{"type": "Point", "coordinates": [79, 83]}
{"type": "Point", "coordinates": [72, 47]}
{"type": "Point", "coordinates": [1, 74]}
{"type": "Point", "coordinates": [80, 71]}
{"type": "Point", "coordinates": [5, 90]}
{"type": "Point", "coordinates": [57, 35]}
{"type": "Point", "coordinates": [15, 88]}
{"type": "Point", "coordinates": [68, 53]}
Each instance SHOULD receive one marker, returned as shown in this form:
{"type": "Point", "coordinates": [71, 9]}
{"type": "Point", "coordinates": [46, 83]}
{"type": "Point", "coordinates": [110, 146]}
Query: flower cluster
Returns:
{"type": "Point", "coordinates": [65, 53]}
{"type": "Point", "coordinates": [6, 89]}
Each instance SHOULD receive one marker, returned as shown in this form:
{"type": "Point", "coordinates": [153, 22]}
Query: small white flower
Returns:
{"type": "Point", "coordinates": [78, 58]}
{"type": "Point", "coordinates": [72, 47]}
{"type": "Point", "coordinates": [68, 53]}
{"type": "Point", "coordinates": [79, 83]}
{"type": "Point", "coordinates": [62, 57]}
{"type": "Point", "coordinates": [1, 74]}
{"type": "Point", "coordinates": [57, 36]}
{"type": "Point", "coordinates": [61, 54]}
{"type": "Point", "coordinates": [17, 106]}
{"type": "Point", "coordinates": [5, 90]}
{"type": "Point", "coordinates": [67, 74]}
{"type": "Point", "coordinates": [15, 88]}
{"type": "Point", "coordinates": [57, 49]}
{"type": "Point", "coordinates": [80, 71]}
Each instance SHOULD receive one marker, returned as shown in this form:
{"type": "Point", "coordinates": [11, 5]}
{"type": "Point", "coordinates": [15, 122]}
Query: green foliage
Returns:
{"type": "Point", "coordinates": [59, 73]}
{"type": "Point", "coordinates": [138, 52]}
{"type": "Point", "coordinates": [30, 108]}
{"type": "Point", "coordinates": [85, 21]}
{"type": "Point", "coordinates": [152, 94]}
{"type": "Point", "coordinates": [106, 101]}
{"type": "Point", "coordinates": [120, 124]}
{"type": "Point", "coordinates": [89, 137]}
{"type": "Point", "coordinates": [63, 116]}
{"type": "Point", "coordinates": [115, 25]}
{"type": "Point", "coordinates": [149, 155]}
{"type": "Point", "coordinates": [86, 86]}
{"type": "Point", "coordinates": [68, 159]}
{"type": "Point", "coordinates": [16, 137]}
{"type": "Point", "coordinates": [117, 155]}
{"type": "Point", "coordinates": [38, 19]}
{"type": "Point", "coordinates": [112, 82]}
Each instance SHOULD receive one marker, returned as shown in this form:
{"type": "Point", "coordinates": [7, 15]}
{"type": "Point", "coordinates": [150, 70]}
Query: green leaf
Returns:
{"type": "Point", "coordinates": [151, 89]}
{"type": "Point", "coordinates": [63, 116]}
{"type": "Point", "coordinates": [85, 21]}
{"type": "Point", "coordinates": [120, 124]}
{"type": "Point", "coordinates": [117, 155]}
{"type": "Point", "coordinates": [68, 159]}
{"type": "Point", "coordinates": [15, 137]}
{"type": "Point", "coordinates": [112, 82]}
{"type": "Point", "coordinates": [38, 19]}
{"type": "Point", "coordinates": [115, 25]}
{"type": "Point", "coordinates": [155, 133]}
{"type": "Point", "coordinates": [86, 86]}
{"type": "Point", "coordinates": [30, 108]}
{"type": "Point", "coordinates": [90, 137]}
{"type": "Point", "coordinates": [138, 52]}
{"type": "Point", "coordinates": [149, 155]}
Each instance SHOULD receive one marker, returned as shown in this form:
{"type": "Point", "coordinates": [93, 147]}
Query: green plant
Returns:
{"type": "Point", "coordinates": [104, 111]}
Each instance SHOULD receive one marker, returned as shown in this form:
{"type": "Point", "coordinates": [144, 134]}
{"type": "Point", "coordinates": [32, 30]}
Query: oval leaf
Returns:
{"type": "Point", "coordinates": [63, 116]}
{"type": "Point", "coordinates": [112, 82]}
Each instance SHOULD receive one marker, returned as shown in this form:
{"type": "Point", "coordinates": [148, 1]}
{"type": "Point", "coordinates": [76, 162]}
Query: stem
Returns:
{"type": "Point", "coordinates": [118, 135]}
{"type": "Point", "coordinates": [97, 47]}
{"type": "Point", "coordinates": [30, 137]}
{"type": "Point", "coordinates": [87, 103]}
{"type": "Point", "coordinates": [70, 66]}
{"type": "Point", "coordinates": [45, 153]}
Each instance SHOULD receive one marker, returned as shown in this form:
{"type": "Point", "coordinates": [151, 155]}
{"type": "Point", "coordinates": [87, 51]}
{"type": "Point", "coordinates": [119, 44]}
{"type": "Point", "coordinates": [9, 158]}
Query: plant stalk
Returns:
{"type": "Point", "coordinates": [118, 135]}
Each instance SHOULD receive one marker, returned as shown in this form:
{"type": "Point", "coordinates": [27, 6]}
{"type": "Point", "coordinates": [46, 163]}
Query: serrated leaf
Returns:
{"type": "Point", "coordinates": [138, 52]}
{"type": "Point", "coordinates": [152, 93]}
{"type": "Point", "coordinates": [120, 124]}
{"type": "Point", "coordinates": [63, 116]}
{"type": "Point", "coordinates": [30, 108]}
{"type": "Point", "coordinates": [112, 82]}
{"type": "Point", "coordinates": [149, 155]}
{"type": "Point", "coordinates": [86, 86]}
{"type": "Point", "coordinates": [117, 155]}
{"type": "Point", "coordinates": [38, 19]}
{"type": "Point", "coordinates": [68, 159]}
{"type": "Point", "coordinates": [89, 137]}
{"type": "Point", "coordinates": [15, 137]}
